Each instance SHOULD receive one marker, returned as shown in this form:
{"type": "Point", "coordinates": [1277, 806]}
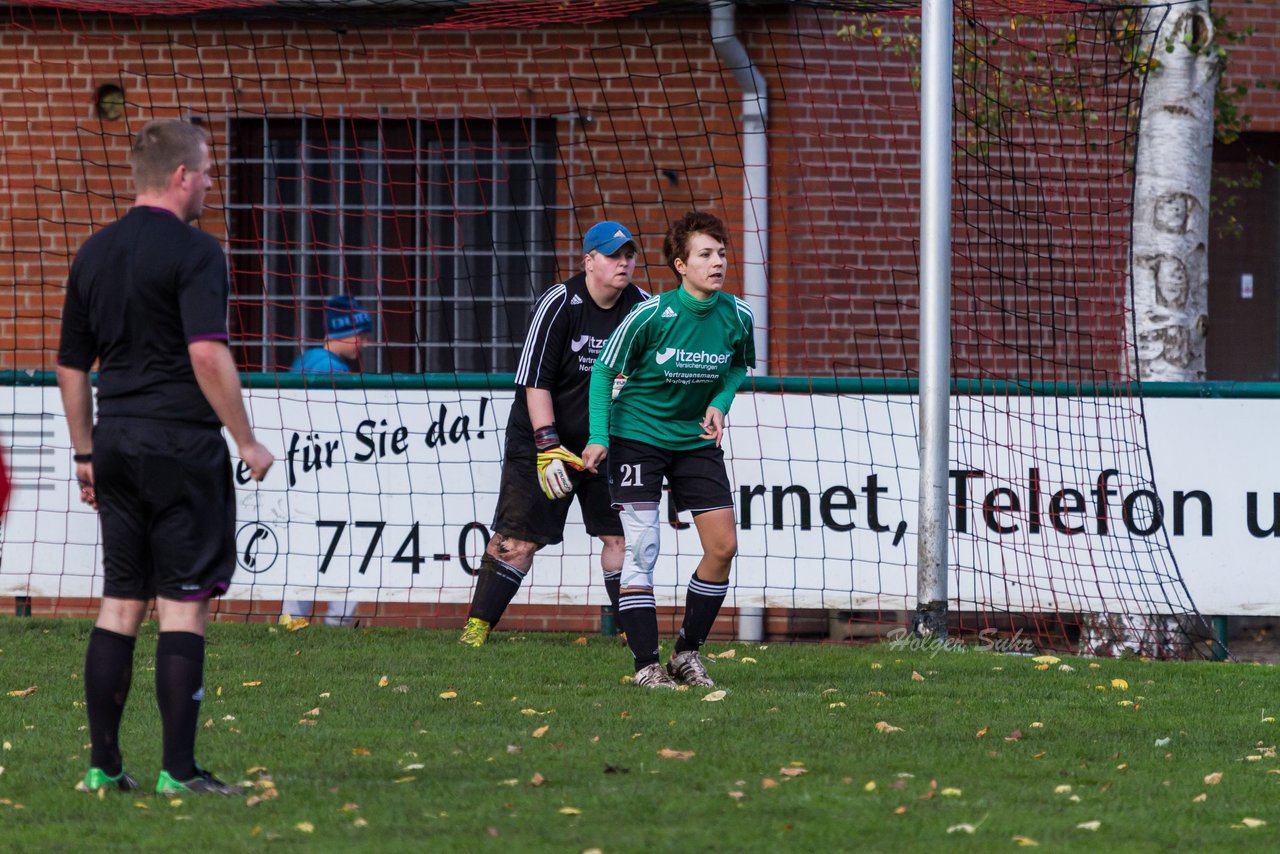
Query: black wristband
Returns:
{"type": "Point", "coordinates": [82, 458]}
{"type": "Point", "coordinates": [546, 438]}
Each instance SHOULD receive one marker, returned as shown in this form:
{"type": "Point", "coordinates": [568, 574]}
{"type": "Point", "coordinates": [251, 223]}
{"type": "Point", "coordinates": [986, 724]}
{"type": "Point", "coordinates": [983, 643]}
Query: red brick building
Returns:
{"type": "Point", "coordinates": [442, 163]}
{"type": "Point", "coordinates": [424, 138]}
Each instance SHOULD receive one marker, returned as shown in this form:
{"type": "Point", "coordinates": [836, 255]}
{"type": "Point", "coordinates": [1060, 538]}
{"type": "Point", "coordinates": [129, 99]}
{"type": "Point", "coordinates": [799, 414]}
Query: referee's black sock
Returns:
{"type": "Point", "coordinates": [701, 607]}
{"type": "Point", "coordinates": [497, 585]}
{"type": "Point", "coordinates": [638, 617]}
{"type": "Point", "coordinates": [108, 673]}
{"type": "Point", "coordinates": [179, 689]}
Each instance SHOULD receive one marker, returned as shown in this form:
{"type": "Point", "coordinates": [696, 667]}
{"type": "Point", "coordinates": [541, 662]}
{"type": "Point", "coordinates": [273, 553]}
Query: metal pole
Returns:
{"type": "Point", "coordinates": [755, 211]}
{"type": "Point", "coordinates": [930, 619]}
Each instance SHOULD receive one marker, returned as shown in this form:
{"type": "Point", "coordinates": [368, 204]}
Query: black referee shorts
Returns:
{"type": "Point", "coordinates": [167, 507]}
{"type": "Point", "coordinates": [698, 478]}
{"type": "Point", "coordinates": [525, 513]}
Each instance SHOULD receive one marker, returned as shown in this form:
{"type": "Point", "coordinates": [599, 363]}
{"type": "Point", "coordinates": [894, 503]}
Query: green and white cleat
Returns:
{"type": "Point", "coordinates": [475, 632]}
{"type": "Point", "coordinates": [203, 783]}
{"type": "Point", "coordinates": [97, 779]}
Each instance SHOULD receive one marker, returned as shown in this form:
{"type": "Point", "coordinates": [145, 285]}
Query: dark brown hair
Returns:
{"type": "Point", "coordinates": [676, 243]}
{"type": "Point", "coordinates": [161, 147]}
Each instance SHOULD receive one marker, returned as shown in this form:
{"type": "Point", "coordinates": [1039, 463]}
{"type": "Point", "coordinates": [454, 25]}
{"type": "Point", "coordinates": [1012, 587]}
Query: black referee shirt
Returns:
{"type": "Point", "coordinates": [566, 334]}
{"type": "Point", "coordinates": [140, 290]}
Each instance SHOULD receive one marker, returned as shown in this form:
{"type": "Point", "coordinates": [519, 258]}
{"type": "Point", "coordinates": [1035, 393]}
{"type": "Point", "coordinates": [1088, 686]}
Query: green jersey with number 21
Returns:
{"type": "Point", "coordinates": [679, 355]}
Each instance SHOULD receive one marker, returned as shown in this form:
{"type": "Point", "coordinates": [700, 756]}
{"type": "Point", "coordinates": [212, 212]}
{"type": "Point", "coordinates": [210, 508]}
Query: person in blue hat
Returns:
{"type": "Point", "coordinates": [346, 328]}
{"type": "Point", "coordinates": [346, 334]}
{"type": "Point", "coordinates": [547, 429]}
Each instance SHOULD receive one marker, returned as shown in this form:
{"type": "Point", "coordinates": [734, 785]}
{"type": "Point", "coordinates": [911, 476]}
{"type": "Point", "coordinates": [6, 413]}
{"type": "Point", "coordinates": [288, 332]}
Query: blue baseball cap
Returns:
{"type": "Point", "coordinates": [607, 238]}
{"type": "Point", "coordinates": [343, 317]}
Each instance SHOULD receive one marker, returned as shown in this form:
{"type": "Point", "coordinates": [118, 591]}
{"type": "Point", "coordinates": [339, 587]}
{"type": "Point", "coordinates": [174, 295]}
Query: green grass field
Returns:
{"type": "Point", "coordinates": [397, 740]}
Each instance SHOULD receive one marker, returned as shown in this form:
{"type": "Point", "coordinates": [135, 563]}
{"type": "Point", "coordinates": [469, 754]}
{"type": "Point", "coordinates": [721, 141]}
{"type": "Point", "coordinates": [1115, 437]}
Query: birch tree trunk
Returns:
{"type": "Point", "coordinates": [1171, 199]}
{"type": "Point", "coordinates": [1170, 293]}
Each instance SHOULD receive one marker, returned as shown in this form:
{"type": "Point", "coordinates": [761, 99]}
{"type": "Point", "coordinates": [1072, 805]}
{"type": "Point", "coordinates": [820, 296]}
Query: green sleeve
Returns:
{"type": "Point", "coordinates": [732, 382]}
{"type": "Point", "coordinates": [599, 400]}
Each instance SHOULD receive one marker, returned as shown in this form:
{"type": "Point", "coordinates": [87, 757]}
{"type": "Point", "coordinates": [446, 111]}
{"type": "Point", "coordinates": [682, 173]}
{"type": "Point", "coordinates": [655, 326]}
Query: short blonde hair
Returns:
{"type": "Point", "coordinates": [161, 147]}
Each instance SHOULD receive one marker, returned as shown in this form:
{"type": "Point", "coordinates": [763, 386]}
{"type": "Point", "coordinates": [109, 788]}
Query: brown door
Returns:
{"type": "Point", "coordinates": [1244, 261]}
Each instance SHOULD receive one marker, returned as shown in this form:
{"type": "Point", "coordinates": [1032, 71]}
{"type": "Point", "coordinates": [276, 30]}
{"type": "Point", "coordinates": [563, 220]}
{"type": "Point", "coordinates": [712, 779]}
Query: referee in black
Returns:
{"type": "Point", "coordinates": [147, 301]}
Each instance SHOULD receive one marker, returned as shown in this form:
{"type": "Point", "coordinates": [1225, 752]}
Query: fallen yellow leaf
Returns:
{"type": "Point", "coordinates": [1213, 779]}
{"type": "Point", "coordinates": [541, 731]}
{"type": "Point", "coordinates": [1200, 798]}
{"type": "Point", "coordinates": [961, 828]}
{"type": "Point", "coordinates": [728, 653]}
{"type": "Point", "coordinates": [737, 796]}
{"type": "Point", "coordinates": [1252, 822]}
{"type": "Point", "coordinates": [570, 811]}
{"type": "Point", "coordinates": [580, 642]}
{"type": "Point", "coordinates": [1046, 659]}
{"type": "Point", "coordinates": [870, 787]}
{"type": "Point", "coordinates": [951, 793]}
{"type": "Point", "coordinates": [793, 772]}
{"type": "Point", "coordinates": [537, 779]}
{"type": "Point", "coordinates": [1089, 825]}
{"type": "Point", "coordinates": [408, 779]}
{"type": "Point", "coordinates": [768, 783]}
{"type": "Point", "coordinates": [714, 697]}
{"type": "Point", "coordinates": [916, 677]}
{"type": "Point", "coordinates": [384, 682]}
{"type": "Point", "coordinates": [25, 692]}
{"type": "Point", "coordinates": [885, 726]}
{"type": "Point", "coordinates": [1025, 841]}
{"type": "Point", "coordinates": [980, 733]}
{"type": "Point", "coordinates": [250, 684]}
{"type": "Point", "coordinates": [448, 695]}
{"type": "Point", "coordinates": [305, 827]}
{"type": "Point", "coordinates": [1120, 684]}
{"type": "Point", "coordinates": [360, 751]}
{"type": "Point", "coordinates": [1062, 789]}
{"type": "Point", "coordinates": [668, 753]}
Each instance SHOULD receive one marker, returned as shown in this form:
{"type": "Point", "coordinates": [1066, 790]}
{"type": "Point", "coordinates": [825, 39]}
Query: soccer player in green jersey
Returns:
{"type": "Point", "coordinates": [683, 356]}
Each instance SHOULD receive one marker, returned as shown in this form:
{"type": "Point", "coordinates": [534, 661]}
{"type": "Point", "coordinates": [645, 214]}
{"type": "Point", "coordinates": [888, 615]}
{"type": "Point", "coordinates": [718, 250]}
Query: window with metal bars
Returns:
{"type": "Point", "coordinates": [443, 229]}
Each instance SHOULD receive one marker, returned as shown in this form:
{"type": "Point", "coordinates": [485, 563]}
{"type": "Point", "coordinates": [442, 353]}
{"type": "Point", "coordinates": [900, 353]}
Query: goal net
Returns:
{"type": "Point", "coordinates": [439, 162]}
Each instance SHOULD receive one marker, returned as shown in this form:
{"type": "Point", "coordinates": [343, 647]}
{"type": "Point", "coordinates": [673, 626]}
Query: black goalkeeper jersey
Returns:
{"type": "Point", "coordinates": [566, 334]}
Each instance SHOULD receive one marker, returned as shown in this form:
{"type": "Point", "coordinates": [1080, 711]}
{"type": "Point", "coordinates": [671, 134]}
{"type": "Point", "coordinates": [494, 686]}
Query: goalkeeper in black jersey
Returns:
{"type": "Point", "coordinates": [684, 354]}
{"type": "Point", "coordinates": [547, 428]}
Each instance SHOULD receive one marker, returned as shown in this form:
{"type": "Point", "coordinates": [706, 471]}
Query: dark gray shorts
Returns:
{"type": "Point", "coordinates": [524, 511]}
{"type": "Point", "coordinates": [167, 507]}
{"type": "Point", "coordinates": [698, 478]}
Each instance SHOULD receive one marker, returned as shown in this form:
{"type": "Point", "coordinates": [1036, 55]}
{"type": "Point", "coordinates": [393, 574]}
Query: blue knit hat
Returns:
{"type": "Point", "coordinates": [343, 317]}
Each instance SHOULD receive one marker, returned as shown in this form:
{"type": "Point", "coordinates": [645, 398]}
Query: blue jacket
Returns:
{"type": "Point", "coordinates": [319, 361]}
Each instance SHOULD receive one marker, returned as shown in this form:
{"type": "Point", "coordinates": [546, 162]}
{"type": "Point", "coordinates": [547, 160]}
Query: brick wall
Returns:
{"type": "Point", "coordinates": [1256, 61]}
{"type": "Point", "coordinates": [655, 135]}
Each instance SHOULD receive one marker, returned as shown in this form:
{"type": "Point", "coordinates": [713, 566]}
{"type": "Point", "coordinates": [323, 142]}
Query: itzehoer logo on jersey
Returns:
{"type": "Point", "coordinates": [587, 347]}
{"type": "Point", "coordinates": [687, 367]}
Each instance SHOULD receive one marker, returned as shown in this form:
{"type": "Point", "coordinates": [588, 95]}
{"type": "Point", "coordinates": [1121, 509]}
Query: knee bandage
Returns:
{"type": "Point", "coordinates": [640, 524]}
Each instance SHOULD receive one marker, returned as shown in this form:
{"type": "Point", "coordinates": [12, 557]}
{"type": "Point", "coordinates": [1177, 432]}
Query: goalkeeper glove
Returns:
{"type": "Point", "coordinates": [552, 458]}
